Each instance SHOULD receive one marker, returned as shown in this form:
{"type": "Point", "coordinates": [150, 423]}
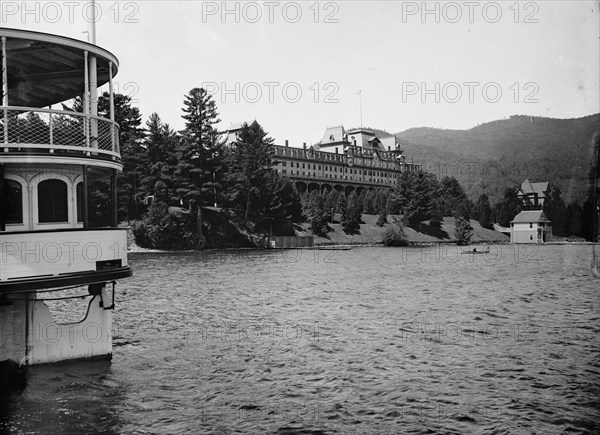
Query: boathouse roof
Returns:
{"type": "Point", "coordinates": [530, 216]}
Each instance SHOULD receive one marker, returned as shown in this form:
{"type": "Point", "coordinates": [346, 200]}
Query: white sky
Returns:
{"type": "Point", "coordinates": [544, 64]}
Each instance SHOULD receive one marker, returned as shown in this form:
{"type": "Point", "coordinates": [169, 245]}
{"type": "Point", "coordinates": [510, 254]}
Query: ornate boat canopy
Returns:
{"type": "Point", "coordinates": [46, 69]}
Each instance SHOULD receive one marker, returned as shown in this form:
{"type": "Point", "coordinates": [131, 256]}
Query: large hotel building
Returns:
{"type": "Point", "coordinates": [344, 160]}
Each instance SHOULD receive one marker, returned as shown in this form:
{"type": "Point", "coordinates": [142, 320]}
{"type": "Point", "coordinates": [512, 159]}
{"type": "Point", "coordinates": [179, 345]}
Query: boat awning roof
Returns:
{"type": "Point", "coordinates": [46, 69]}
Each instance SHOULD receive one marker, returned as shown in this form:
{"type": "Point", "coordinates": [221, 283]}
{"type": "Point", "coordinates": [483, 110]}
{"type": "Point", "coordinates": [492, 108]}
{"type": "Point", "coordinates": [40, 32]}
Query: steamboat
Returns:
{"type": "Point", "coordinates": [58, 235]}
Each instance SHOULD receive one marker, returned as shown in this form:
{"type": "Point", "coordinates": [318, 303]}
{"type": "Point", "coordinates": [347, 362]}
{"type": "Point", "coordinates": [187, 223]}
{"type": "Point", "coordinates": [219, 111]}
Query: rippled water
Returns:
{"type": "Point", "coordinates": [371, 340]}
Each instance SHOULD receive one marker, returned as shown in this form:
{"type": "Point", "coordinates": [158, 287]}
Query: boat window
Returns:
{"type": "Point", "coordinates": [13, 202]}
{"type": "Point", "coordinates": [52, 201]}
{"type": "Point", "coordinates": [79, 189]}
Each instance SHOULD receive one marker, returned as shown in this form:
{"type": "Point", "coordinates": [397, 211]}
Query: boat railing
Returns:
{"type": "Point", "coordinates": [34, 130]}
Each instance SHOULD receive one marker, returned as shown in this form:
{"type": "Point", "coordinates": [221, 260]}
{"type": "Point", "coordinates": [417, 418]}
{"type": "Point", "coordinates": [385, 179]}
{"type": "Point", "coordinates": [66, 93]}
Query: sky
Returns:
{"type": "Point", "coordinates": [299, 67]}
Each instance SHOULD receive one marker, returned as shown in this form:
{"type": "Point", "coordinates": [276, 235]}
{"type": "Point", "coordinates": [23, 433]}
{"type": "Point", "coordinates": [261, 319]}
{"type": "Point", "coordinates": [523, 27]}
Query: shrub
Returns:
{"type": "Point", "coordinates": [140, 234]}
{"type": "Point", "coordinates": [318, 225]}
{"type": "Point", "coordinates": [382, 219]}
{"type": "Point", "coordinates": [159, 229]}
{"type": "Point", "coordinates": [394, 235]}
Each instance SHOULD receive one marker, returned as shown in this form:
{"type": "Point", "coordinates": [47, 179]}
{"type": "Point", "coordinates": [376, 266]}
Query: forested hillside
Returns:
{"type": "Point", "coordinates": [503, 153]}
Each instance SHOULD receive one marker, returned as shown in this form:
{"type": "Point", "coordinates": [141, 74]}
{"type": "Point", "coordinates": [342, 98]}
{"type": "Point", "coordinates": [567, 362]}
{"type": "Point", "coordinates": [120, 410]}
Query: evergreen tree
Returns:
{"type": "Point", "coordinates": [508, 207]}
{"type": "Point", "coordinates": [452, 195]}
{"type": "Point", "coordinates": [556, 211]}
{"type": "Point", "coordinates": [382, 219]}
{"type": "Point", "coordinates": [304, 202]}
{"type": "Point", "coordinates": [591, 207]}
{"type": "Point", "coordinates": [351, 217]}
{"type": "Point", "coordinates": [484, 211]}
{"type": "Point", "coordinates": [392, 205]}
{"type": "Point", "coordinates": [463, 209]}
{"type": "Point", "coordinates": [437, 216]}
{"type": "Point", "coordinates": [575, 219]}
{"type": "Point", "coordinates": [462, 231]}
{"type": "Point", "coordinates": [415, 196]}
{"type": "Point", "coordinates": [381, 201]}
{"type": "Point", "coordinates": [318, 214]}
{"type": "Point", "coordinates": [291, 205]}
{"type": "Point", "coordinates": [251, 177]}
{"type": "Point", "coordinates": [369, 203]}
{"type": "Point", "coordinates": [341, 204]}
{"type": "Point", "coordinates": [360, 200]}
{"type": "Point", "coordinates": [314, 199]}
{"type": "Point", "coordinates": [331, 203]}
{"type": "Point", "coordinates": [199, 172]}
{"type": "Point", "coordinates": [588, 227]}
{"type": "Point", "coordinates": [161, 148]}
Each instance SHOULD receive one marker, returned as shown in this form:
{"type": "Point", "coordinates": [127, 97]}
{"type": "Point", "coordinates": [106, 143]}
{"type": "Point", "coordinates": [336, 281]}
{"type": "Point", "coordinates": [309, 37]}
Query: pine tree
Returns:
{"type": "Point", "coordinates": [380, 201]}
{"type": "Point", "coordinates": [591, 207]}
{"type": "Point", "coordinates": [556, 211]}
{"type": "Point", "coordinates": [508, 207]}
{"type": "Point", "coordinates": [291, 205]}
{"type": "Point", "coordinates": [318, 214]}
{"type": "Point", "coordinates": [484, 211]}
{"type": "Point", "coordinates": [415, 196]}
{"type": "Point", "coordinates": [360, 200]}
{"type": "Point", "coordinates": [200, 152]}
{"type": "Point", "coordinates": [251, 178]}
{"type": "Point", "coordinates": [463, 209]}
{"type": "Point", "coordinates": [161, 147]}
{"type": "Point", "coordinates": [369, 202]}
{"type": "Point", "coordinates": [351, 217]}
{"type": "Point", "coordinates": [331, 201]}
{"type": "Point", "coordinates": [382, 219]}
{"type": "Point", "coordinates": [575, 219]}
{"type": "Point", "coordinates": [341, 204]}
{"type": "Point", "coordinates": [462, 231]}
{"type": "Point", "coordinates": [452, 195]}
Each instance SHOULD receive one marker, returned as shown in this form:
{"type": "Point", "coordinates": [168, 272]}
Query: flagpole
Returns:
{"type": "Point", "coordinates": [360, 103]}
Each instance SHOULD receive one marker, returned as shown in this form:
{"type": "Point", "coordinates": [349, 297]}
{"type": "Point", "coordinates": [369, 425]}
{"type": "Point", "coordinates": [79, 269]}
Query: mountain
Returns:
{"type": "Point", "coordinates": [498, 154]}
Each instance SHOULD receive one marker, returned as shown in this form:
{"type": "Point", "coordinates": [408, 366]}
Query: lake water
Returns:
{"type": "Point", "coordinates": [371, 340]}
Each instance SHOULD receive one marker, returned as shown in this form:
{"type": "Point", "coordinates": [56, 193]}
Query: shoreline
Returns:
{"type": "Point", "coordinates": [342, 246]}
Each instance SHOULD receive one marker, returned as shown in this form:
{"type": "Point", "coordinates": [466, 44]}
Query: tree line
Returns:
{"type": "Point", "coordinates": [190, 169]}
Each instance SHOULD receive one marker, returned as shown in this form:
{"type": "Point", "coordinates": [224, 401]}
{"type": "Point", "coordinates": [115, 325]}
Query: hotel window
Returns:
{"type": "Point", "coordinates": [297, 164]}
{"type": "Point", "coordinates": [13, 202]}
{"type": "Point", "coordinates": [52, 201]}
{"type": "Point", "coordinates": [530, 225]}
{"type": "Point", "coordinates": [319, 167]}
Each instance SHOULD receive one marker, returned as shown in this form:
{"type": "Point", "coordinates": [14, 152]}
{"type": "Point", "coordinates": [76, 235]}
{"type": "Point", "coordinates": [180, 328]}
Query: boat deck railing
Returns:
{"type": "Point", "coordinates": [29, 130]}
